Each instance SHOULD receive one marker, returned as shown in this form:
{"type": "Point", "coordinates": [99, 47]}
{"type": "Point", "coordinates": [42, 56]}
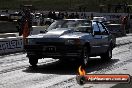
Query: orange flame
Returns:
{"type": "Point", "coordinates": [81, 71]}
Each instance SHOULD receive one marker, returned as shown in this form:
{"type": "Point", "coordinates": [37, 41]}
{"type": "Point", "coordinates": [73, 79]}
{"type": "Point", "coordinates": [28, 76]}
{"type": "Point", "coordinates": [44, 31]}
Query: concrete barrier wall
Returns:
{"type": "Point", "coordinates": [11, 45]}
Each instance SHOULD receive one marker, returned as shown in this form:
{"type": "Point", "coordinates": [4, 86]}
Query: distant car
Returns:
{"type": "Point", "coordinates": [48, 21]}
{"type": "Point", "coordinates": [71, 38]}
{"type": "Point", "coordinates": [37, 18]}
{"type": "Point", "coordinates": [37, 30]}
{"type": "Point", "coordinates": [15, 16]}
{"type": "Point", "coordinates": [4, 15]}
{"type": "Point", "coordinates": [101, 19]}
{"type": "Point", "coordinates": [116, 29]}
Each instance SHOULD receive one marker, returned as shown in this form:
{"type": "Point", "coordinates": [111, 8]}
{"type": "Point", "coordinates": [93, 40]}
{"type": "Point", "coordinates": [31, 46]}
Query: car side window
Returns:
{"type": "Point", "coordinates": [102, 29]}
{"type": "Point", "coordinates": [96, 28]}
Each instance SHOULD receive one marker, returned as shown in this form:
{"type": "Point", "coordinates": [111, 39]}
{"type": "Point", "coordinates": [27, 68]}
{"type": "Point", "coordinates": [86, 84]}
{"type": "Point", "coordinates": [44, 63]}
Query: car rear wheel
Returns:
{"type": "Point", "coordinates": [33, 61]}
{"type": "Point", "coordinates": [108, 55]}
{"type": "Point", "coordinates": [84, 57]}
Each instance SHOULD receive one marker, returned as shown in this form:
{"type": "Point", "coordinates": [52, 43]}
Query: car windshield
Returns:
{"type": "Point", "coordinates": [75, 25]}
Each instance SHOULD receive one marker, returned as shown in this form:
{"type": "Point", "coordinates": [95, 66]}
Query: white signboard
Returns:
{"type": "Point", "coordinates": [10, 45]}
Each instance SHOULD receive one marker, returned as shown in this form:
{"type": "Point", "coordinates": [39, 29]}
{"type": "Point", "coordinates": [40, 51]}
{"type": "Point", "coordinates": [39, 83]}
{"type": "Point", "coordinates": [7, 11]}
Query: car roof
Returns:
{"type": "Point", "coordinates": [76, 19]}
{"type": "Point", "coordinates": [114, 24]}
{"type": "Point", "coordinates": [80, 19]}
{"type": "Point", "coordinates": [98, 17]}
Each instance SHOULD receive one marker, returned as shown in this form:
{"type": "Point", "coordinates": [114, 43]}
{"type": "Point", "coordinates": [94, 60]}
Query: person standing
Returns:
{"type": "Point", "coordinates": [25, 24]}
{"type": "Point", "coordinates": [124, 24]}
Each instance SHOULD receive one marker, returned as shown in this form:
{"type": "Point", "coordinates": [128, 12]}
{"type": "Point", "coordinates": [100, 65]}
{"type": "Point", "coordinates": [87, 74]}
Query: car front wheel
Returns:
{"type": "Point", "coordinates": [33, 61]}
{"type": "Point", "coordinates": [84, 57]}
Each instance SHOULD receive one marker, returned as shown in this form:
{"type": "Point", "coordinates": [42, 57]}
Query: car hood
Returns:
{"type": "Point", "coordinates": [60, 33]}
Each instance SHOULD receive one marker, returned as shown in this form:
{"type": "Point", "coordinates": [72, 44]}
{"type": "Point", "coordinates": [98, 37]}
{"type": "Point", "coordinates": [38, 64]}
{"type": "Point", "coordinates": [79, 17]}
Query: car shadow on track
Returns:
{"type": "Point", "coordinates": [70, 68]}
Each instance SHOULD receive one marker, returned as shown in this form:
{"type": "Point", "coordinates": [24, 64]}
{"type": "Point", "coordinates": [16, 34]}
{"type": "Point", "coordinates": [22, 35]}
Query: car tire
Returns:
{"type": "Point", "coordinates": [33, 61]}
{"type": "Point", "coordinates": [108, 55]}
{"type": "Point", "coordinates": [84, 57]}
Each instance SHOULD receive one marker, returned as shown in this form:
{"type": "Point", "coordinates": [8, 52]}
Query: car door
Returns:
{"type": "Point", "coordinates": [96, 40]}
{"type": "Point", "coordinates": [104, 38]}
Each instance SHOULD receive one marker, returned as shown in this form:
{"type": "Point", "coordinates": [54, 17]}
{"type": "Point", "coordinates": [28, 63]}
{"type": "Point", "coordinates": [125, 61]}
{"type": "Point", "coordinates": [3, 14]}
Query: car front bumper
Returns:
{"type": "Point", "coordinates": [54, 51]}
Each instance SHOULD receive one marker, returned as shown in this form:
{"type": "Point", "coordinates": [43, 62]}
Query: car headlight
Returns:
{"type": "Point", "coordinates": [72, 42]}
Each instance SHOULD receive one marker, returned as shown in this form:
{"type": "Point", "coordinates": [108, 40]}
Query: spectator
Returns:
{"type": "Point", "coordinates": [54, 16]}
{"type": "Point", "coordinates": [25, 24]}
{"type": "Point", "coordinates": [61, 15]}
{"type": "Point", "coordinates": [42, 22]}
{"type": "Point", "coordinates": [72, 16]}
{"type": "Point", "coordinates": [84, 16]}
{"type": "Point", "coordinates": [66, 16]}
{"type": "Point", "coordinates": [124, 24]}
{"type": "Point", "coordinates": [81, 16]}
{"type": "Point", "coordinates": [77, 15]}
{"type": "Point", "coordinates": [50, 14]}
{"type": "Point", "coordinates": [92, 16]}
